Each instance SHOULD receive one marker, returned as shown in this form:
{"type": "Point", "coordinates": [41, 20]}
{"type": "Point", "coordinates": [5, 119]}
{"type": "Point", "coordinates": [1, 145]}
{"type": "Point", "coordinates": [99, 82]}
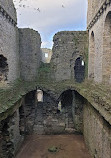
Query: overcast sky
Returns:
{"type": "Point", "coordinates": [50, 16]}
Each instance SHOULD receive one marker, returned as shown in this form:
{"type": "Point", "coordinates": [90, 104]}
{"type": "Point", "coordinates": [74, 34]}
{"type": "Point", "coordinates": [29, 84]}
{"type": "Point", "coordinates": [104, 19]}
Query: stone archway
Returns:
{"type": "Point", "coordinates": [91, 56]}
{"type": "Point", "coordinates": [79, 70]}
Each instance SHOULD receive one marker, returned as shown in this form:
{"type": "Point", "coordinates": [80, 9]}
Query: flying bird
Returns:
{"type": "Point", "coordinates": [38, 10]}
{"type": "Point", "coordinates": [20, 5]}
{"type": "Point", "coordinates": [63, 6]}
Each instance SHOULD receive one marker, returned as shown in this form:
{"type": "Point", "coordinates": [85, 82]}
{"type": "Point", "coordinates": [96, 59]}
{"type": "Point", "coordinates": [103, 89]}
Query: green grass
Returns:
{"type": "Point", "coordinates": [44, 68]}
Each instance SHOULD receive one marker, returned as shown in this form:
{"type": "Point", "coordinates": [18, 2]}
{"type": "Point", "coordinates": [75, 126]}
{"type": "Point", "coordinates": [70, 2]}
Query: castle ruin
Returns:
{"type": "Point", "coordinates": [78, 78]}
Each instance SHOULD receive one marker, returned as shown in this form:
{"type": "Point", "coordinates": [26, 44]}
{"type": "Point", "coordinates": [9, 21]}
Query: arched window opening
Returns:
{"type": "Point", "coordinates": [3, 68]}
{"type": "Point", "coordinates": [79, 70]}
{"type": "Point", "coordinates": [107, 50]}
{"type": "Point", "coordinates": [39, 95]}
{"type": "Point", "coordinates": [91, 57]}
{"type": "Point", "coordinates": [46, 55]}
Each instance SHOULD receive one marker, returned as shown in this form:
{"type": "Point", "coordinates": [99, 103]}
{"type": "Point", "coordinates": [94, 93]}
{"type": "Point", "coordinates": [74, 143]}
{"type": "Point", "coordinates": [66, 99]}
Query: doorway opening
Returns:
{"type": "Point", "coordinates": [3, 68]}
{"type": "Point", "coordinates": [79, 70]}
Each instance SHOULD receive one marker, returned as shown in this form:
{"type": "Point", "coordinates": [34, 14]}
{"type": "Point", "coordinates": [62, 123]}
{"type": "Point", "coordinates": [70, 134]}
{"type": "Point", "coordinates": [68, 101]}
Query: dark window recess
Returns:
{"type": "Point", "coordinates": [79, 70]}
{"type": "Point", "coordinates": [3, 68]}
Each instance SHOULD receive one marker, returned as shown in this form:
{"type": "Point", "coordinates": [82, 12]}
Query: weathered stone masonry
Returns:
{"type": "Point", "coordinates": [8, 41]}
{"type": "Point", "coordinates": [97, 133]}
{"type": "Point", "coordinates": [99, 41]}
{"type": "Point", "coordinates": [30, 56]}
{"type": "Point", "coordinates": [14, 44]}
{"type": "Point", "coordinates": [86, 107]}
{"type": "Point", "coordinates": [99, 70]}
{"type": "Point", "coordinates": [68, 46]}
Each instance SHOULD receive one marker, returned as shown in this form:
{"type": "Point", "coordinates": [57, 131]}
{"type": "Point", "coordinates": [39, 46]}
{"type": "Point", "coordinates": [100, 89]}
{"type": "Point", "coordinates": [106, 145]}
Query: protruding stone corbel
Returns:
{"type": "Point", "coordinates": [8, 17]}
{"type": "Point", "coordinates": [108, 1]}
{"type": "Point", "coordinates": [5, 14]}
{"type": "Point", "coordinates": [101, 10]}
{"type": "Point", "coordinates": [104, 6]}
{"type": "Point", "coordinates": [98, 15]}
{"type": "Point", "coordinates": [1, 9]}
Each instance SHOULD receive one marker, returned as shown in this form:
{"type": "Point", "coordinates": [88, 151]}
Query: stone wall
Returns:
{"type": "Point", "coordinates": [9, 38]}
{"type": "Point", "coordinates": [30, 108]}
{"type": "Point", "coordinates": [62, 116]}
{"type": "Point", "coordinates": [30, 53]}
{"type": "Point", "coordinates": [16, 126]}
{"type": "Point", "coordinates": [49, 120]}
{"type": "Point", "coordinates": [9, 7]}
{"type": "Point", "coordinates": [68, 46]}
{"type": "Point", "coordinates": [49, 55]}
{"type": "Point", "coordinates": [99, 46]}
{"type": "Point", "coordinates": [10, 136]}
{"type": "Point", "coordinates": [93, 7]}
{"type": "Point", "coordinates": [77, 111]}
{"type": "Point", "coordinates": [97, 133]}
{"type": "Point", "coordinates": [24, 61]}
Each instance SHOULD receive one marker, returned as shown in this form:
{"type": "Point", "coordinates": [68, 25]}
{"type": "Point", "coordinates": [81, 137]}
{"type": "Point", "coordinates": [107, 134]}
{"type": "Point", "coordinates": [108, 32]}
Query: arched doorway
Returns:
{"type": "Point", "coordinates": [72, 108]}
{"type": "Point", "coordinates": [91, 56]}
{"type": "Point", "coordinates": [79, 70]}
{"type": "Point", "coordinates": [3, 68]}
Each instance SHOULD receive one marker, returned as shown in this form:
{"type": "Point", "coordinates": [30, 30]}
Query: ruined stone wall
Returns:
{"type": "Point", "coordinates": [99, 46]}
{"type": "Point", "coordinates": [10, 136]}
{"type": "Point", "coordinates": [49, 120]}
{"type": "Point", "coordinates": [9, 39]}
{"type": "Point", "coordinates": [68, 46]}
{"type": "Point", "coordinates": [97, 133]}
{"type": "Point", "coordinates": [49, 55]}
{"type": "Point", "coordinates": [17, 125]}
{"type": "Point", "coordinates": [30, 53]}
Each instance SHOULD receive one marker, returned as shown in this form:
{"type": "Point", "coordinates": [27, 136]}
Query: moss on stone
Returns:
{"type": "Point", "coordinates": [97, 94]}
{"type": "Point", "coordinates": [53, 149]}
{"type": "Point", "coordinates": [44, 72]}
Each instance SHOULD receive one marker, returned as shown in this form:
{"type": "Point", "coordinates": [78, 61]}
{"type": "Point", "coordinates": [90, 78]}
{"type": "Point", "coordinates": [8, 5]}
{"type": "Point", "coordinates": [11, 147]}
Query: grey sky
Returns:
{"type": "Point", "coordinates": [49, 16]}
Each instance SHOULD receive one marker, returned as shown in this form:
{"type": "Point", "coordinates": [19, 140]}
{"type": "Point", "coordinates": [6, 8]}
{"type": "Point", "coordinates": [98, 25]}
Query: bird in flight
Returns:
{"type": "Point", "coordinates": [38, 10]}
